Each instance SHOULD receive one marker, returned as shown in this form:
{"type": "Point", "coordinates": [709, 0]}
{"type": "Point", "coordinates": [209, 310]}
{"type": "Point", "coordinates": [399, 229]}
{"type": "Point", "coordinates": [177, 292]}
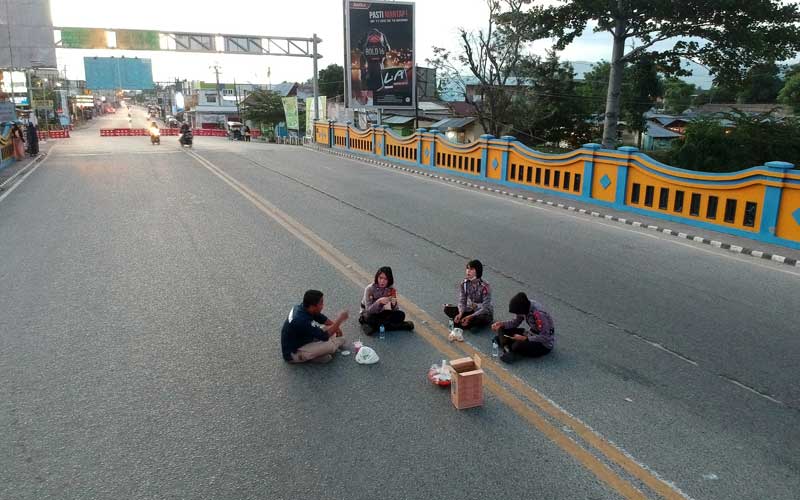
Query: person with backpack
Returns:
{"type": "Point", "coordinates": [539, 340]}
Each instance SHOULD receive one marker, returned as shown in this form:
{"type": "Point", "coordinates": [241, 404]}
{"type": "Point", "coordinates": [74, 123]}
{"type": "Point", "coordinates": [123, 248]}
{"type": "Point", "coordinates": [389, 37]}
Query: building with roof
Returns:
{"type": "Point", "coordinates": [657, 137]}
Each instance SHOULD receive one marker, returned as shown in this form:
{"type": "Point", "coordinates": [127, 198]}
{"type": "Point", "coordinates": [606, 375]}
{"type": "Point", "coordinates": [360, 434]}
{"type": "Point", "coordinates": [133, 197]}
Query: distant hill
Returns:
{"type": "Point", "coordinates": [700, 78]}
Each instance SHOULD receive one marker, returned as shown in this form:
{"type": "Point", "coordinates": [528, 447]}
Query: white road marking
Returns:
{"type": "Point", "coordinates": [22, 179]}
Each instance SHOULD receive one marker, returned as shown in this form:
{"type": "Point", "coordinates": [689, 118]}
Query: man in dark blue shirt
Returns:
{"type": "Point", "coordinates": [302, 340]}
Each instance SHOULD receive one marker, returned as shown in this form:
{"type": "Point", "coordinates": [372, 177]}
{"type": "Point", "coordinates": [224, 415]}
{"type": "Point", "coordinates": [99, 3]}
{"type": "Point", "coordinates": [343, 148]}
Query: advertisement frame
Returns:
{"type": "Point", "coordinates": [348, 56]}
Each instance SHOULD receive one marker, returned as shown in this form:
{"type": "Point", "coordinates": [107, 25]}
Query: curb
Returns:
{"type": "Point", "coordinates": [698, 239]}
{"type": "Point", "coordinates": [11, 180]}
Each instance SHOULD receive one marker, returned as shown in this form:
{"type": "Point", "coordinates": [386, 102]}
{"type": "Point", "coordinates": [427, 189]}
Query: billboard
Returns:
{"type": "Point", "coordinates": [292, 116]}
{"type": "Point", "coordinates": [27, 34]}
{"type": "Point", "coordinates": [118, 73]}
{"type": "Point", "coordinates": [380, 54]}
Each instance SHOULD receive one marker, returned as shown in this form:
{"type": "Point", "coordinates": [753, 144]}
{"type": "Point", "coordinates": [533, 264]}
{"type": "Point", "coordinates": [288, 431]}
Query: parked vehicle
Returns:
{"type": "Point", "coordinates": [234, 130]}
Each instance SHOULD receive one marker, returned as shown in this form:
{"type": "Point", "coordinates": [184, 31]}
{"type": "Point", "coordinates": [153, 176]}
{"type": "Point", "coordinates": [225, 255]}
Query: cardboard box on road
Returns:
{"type": "Point", "coordinates": [466, 388]}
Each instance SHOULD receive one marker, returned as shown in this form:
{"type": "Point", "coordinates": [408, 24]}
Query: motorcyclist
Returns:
{"type": "Point", "coordinates": [186, 134]}
{"type": "Point", "coordinates": [155, 133]}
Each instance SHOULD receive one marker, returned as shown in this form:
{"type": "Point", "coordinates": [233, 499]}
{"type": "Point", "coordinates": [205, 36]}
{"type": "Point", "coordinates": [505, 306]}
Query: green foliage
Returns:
{"type": "Point", "coordinates": [678, 95]}
{"type": "Point", "coordinates": [641, 87]}
{"type": "Point", "coordinates": [263, 107]}
{"type": "Point", "coordinates": [790, 93]}
{"type": "Point", "coordinates": [727, 37]}
{"type": "Point", "coordinates": [761, 84]}
{"type": "Point", "coordinates": [546, 109]}
{"type": "Point", "coordinates": [724, 92]}
{"type": "Point", "coordinates": [492, 57]}
{"type": "Point", "coordinates": [751, 141]}
{"type": "Point", "coordinates": [593, 88]}
{"type": "Point", "coordinates": [331, 81]}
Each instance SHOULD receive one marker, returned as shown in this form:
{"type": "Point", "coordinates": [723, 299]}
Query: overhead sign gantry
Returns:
{"type": "Point", "coordinates": [176, 41]}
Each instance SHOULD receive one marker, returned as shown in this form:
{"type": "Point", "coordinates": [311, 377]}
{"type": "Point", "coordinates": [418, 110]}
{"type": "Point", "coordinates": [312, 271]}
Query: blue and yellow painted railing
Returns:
{"type": "Point", "coordinates": [761, 203]}
{"type": "Point", "coordinates": [6, 146]}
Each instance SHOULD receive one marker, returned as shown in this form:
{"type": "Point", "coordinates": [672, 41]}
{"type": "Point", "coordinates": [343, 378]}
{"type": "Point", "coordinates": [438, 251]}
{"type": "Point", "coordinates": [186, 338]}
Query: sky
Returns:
{"type": "Point", "coordinates": [437, 25]}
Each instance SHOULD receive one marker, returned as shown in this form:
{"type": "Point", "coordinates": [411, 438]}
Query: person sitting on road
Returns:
{"type": "Point", "coordinates": [474, 300]}
{"type": "Point", "coordinates": [515, 341]}
{"type": "Point", "coordinates": [379, 304]}
{"type": "Point", "coordinates": [303, 341]}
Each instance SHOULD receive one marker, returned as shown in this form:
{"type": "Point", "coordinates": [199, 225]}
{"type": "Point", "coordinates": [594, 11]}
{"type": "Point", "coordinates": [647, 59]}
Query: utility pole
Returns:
{"type": "Point", "coordinates": [11, 57]}
{"type": "Point", "coordinates": [216, 69]}
{"type": "Point", "coordinates": [315, 80]}
{"type": "Point", "coordinates": [236, 91]}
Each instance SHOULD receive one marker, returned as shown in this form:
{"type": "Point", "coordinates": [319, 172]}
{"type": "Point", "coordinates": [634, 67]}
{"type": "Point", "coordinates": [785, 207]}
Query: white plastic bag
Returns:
{"type": "Point", "coordinates": [456, 335]}
{"type": "Point", "coordinates": [367, 356]}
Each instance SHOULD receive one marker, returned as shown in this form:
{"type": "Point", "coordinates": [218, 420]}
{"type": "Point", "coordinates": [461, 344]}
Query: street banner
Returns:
{"type": "Point", "coordinates": [322, 103]}
{"type": "Point", "coordinates": [380, 54]}
{"type": "Point", "coordinates": [290, 109]}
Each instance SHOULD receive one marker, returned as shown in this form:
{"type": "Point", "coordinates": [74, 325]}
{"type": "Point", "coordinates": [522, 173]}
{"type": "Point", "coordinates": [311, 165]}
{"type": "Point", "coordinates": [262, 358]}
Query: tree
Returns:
{"type": "Point", "coordinates": [641, 87]}
{"type": "Point", "coordinates": [263, 107]}
{"type": "Point", "coordinates": [749, 141]}
{"type": "Point", "coordinates": [545, 107]}
{"type": "Point", "coordinates": [331, 81]}
{"type": "Point", "coordinates": [761, 84]}
{"type": "Point", "coordinates": [645, 86]}
{"type": "Point", "coordinates": [724, 92]}
{"type": "Point", "coordinates": [678, 95]}
{"type": "Point", "coordinates": [593, 88]}
{"type": "Point", "coordinates": [790, 93]}
{"type": "Point", "coordinates": [491, 56]}
{"type": "Point", "coordinates": [724, 36]}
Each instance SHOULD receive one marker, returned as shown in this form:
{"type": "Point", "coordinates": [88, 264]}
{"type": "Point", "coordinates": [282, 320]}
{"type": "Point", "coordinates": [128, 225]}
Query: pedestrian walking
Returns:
{"type": "Point", "coordinates": [33, 139]}
{"type": "Point", "coordinates": [18, 139]}
{"type": "Point", "coordinates": [246, 133]}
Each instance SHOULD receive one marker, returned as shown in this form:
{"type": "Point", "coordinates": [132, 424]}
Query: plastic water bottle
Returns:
{"type": "Point", "coordinates": [495, 349]}
{"type": "Point", "coordinates": [382, 332]}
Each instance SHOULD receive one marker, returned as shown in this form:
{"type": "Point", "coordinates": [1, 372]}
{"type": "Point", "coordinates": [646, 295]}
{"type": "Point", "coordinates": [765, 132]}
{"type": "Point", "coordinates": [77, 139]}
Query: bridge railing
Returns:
{"type": "Point", "coordinates": [762, 203]}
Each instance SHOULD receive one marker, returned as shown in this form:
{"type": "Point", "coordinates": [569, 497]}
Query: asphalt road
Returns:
{"type": "Point", "coordinates": [143, 289]}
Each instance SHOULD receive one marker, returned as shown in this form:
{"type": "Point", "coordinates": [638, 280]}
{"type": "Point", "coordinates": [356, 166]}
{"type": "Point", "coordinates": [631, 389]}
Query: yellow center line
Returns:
{"type": "Point", "coordinates": [358, 276]}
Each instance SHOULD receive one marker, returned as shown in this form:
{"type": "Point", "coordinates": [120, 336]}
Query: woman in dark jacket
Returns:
{"type": "Point", "coordinates": [33, 140]}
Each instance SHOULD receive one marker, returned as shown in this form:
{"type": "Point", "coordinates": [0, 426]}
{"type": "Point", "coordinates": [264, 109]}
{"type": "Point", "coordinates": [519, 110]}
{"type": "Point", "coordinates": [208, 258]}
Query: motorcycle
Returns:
{"type": "Point", "coordinates": [155, 136]}
{"type": "Point", "coordinates": [186, 139]}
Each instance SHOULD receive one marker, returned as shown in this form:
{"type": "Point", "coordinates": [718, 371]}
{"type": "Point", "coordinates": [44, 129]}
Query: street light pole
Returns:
{"type": "Point", "coordinates": [315, 80]}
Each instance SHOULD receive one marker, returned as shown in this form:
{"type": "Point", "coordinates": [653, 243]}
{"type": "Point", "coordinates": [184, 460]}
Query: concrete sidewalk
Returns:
{"type": "Point", "coordinates": [736, 244]}
{"type": "Point", "coordinates": [12, 172]}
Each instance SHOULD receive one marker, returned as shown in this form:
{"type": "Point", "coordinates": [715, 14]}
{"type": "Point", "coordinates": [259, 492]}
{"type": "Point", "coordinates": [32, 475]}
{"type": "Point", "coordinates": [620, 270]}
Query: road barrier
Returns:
{"type": "Point", "coordinates": [53, 134]}
{"type": "Point", "coordinates": [135, 132]}
{"type": "Point", "coordinates": [762, 203]}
